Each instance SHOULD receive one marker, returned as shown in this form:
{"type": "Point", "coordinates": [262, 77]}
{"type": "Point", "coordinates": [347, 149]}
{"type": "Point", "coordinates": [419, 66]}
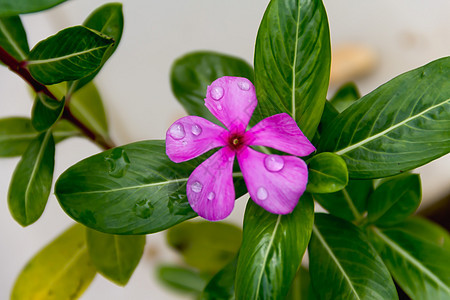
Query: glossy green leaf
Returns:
{"type": "Point", "coordinates": [327, 173]}
{"type": "Point", "coordinates": [418, 266]}
{"type": "Point", "coordinates": [61, 270]}
{"type": "Point", "coordinates": [342, 260]}
{"type": "Point", "coordinates": [46, 112]}
{"type": "Point", "coordinates": [345, 96]}
{"type": "Point", "coordinates": [71, 54]}
{"type": "Point", "coordinates": [32, 180]}
{"type": "Point", "coordinates": [422, 228]}
{"type": "Point", "coordinates": [132, 189]}
{"type": "Point", "coordinates": [292, 61]}
{"type": "Point", "coordinates": [115, 256]}
{"type": "Point", "coordinates": [181, 279]}
{"type": "Point", "coordinates": [221, 286]}
{"type": "Point", "coordinates": [200, 247]}
{"type": "Point", "coordinates": [16, 133]}
{"type": "Point", "coordinates": [349, 203]}
{"type": "Point", "coordinates": [13, 37]}
{"type": "Point", "coordinates": [16, 7]}
{"type": "Point", "coordinates": [86, 105]}
{"type": "Point", "coordinates": [401, 125]}
{"type": "Point", "coordinates": [272, 250]}
{"type": "Point", "coordinates": [394, 200]}
{"type": "Point", "coordinates": [191, 74]}
{"type": "Point", "coordinates": [301, 288]}
{"type": "Point", "coordinates": [107, 19]}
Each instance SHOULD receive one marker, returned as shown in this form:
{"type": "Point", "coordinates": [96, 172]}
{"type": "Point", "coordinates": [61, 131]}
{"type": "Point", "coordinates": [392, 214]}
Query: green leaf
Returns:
{"type": "Point", "coordinates": [350, 202]}
{"type": "Point", "coordinates": [86, 105]}
{"type": "Point", "coordinates": [107, 19]}
{"type": "Point", "coordinates": [71, 54]}
{"type": "Point", "coordinates": [192, 73]}
{"type": "Point", "coordinates": [221, 286]}
{"type": "Point", "coordinates": [422, 228]}
{"type": "Point", "coordinates": [181, 279]}
{"type": "Point", "coordinates": [32, 180]}
{"type": "Point", "coordinates": [345, 96]}
{"type": "Point", "coordinates": [301, 288]}
{"type": "Point", "coordinates": [115, 256]}
{"type": "Point", "coordinates": [327, 173]}
{"type": "Point", "coordinates": [394, 200]}
{"type": "Point", "coordinates": [198, 243]}
{"type": "Point", "coordinates": [16, 133]}
{"type": "Point", "coordinates": [401, 125]}
{"type": "Point", "coordinates": [46, 111]}
{"type": "Point", "coordinates": [61, 270]}
{"type": "Point", "coordinates": [272, 250]}
{"type": "Point", "coordinates": [418, 266]}
{"type": "Point", "coordinates": [342, 260]}
{"type": "Point", "coordinates": [13, 37]}
{"type": "Point", "coordinates": [16, 7]}
{"type": "Point", "coordinates": [292, 61]}
{"type": "Point", "coordinates": [132, 189]}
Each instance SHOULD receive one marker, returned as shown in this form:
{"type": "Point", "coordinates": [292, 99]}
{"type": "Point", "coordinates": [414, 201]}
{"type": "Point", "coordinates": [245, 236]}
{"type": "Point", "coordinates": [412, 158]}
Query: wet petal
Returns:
{"type": "Point", "coordinates": [210, 188]}
{"type": "Point", "coordinates": [192, 136]}
{"type": "Point", "coordinates": [232, 101]}
{"type": "Point", "coordinates": [282, 133]}
{"type": "Point", "coordinates": [274, 182]}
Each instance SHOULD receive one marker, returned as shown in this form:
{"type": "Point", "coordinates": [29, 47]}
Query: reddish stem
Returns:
{"type": "Point", "coordinates": [20, 69]}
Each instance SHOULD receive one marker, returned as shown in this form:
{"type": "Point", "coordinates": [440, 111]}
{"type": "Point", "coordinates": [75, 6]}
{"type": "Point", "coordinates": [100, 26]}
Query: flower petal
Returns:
{"type": "Point", "coordinates": [192, 136]}
{"type": "Point", "coordinates": [210, 188]}
{"type": "Point", "coordinates": [282, 133]}
{"type": "Point", "coordinates": [232, 101]}
{"type": "Point", "coordinates": [274, 182]}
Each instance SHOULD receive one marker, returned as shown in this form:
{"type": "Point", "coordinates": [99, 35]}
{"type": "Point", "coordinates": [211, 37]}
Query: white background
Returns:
{"type": "Point", "coordinates": [135, 87]}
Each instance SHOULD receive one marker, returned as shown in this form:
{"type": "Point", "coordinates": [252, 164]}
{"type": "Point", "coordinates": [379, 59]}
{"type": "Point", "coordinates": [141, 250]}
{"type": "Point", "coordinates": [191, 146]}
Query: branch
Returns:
{"type": "Point", "coordinates": [20, 69]}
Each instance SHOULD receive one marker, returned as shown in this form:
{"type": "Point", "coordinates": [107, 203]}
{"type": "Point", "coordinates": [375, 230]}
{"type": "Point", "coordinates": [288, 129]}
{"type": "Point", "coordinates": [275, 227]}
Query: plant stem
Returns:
{"type": "Point", "coordinates": [20, 69]}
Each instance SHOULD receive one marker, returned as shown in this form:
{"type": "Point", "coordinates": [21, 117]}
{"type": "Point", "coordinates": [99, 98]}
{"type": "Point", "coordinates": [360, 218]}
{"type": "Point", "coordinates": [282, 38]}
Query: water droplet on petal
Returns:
{"type": "Point", "coordinates": [143, 209]}
{"type": "Point", "coordinates": [262, 193]}
{"type": "Point", "coordinates": [196, 130]}
{"type": "Point", "coordinates": [211, 196]}
{"type": "Point", "coordinates": [119, 162]}
{"type": "Point", "coordinates": [244, 85]}
{"type": "Point", "coordinates": [217, 93]}
{"type": "Point", "coordinates": [184, 143]}
{"type": "Point", "coordinates": [177, 132]}
{"type": "Point", "coordinates": [219, 107]}
{"type": "Point", "coordinates": [196, 187]}
{"type": "Point", "coordinates": [274, 163]}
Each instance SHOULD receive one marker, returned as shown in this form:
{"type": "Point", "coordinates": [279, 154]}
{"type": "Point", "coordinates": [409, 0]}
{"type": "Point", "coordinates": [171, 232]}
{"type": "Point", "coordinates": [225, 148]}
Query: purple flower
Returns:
{"type": "Point", "coordinates": [275, 182]}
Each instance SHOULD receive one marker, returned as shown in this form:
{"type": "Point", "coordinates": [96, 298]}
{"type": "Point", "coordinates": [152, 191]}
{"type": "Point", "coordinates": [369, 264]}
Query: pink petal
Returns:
{"type": "Point", "coordinates": [192, 136]}
{"type": "Point", "coordinates": [210, 188]}
{"type": "Point", "coordinates": [232, 101]}
{"type": "Point", "coordinates": [282, 133]}
{"type": "Point", "coordinates": [274, 182]}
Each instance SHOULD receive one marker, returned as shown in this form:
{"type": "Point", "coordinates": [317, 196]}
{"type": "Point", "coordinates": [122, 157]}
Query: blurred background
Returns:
{"type": "Point", "coordinates": [372, 42]}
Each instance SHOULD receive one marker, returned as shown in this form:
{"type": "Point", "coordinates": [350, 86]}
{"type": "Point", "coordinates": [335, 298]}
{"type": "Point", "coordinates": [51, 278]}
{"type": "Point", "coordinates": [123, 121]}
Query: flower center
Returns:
{"type": "Point", "coordinates": [236, 141]}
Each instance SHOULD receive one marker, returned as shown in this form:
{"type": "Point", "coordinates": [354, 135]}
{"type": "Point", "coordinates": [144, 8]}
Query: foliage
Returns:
{"type": "Point", "coordinates": [366, 241]}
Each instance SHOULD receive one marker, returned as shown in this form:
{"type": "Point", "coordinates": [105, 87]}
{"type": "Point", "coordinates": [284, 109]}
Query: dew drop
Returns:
{"type": "Point", "coordinates": [184, 143]}
{"type": "Point", "coordinates": [219, 107]}
{"type": "Point", "coordinates": [217, 93]}
{"type": "Point", "coordinates": [244, 85]}
{"type": "Point", "coordinates": [262, 193]}
{"type": "Point", "coordinates": [211, 196]}
{"type": "Point", "coordinates": [143, 209]}
{"type": "Point", "coordinates": [177, 132]}
{"type": "Point", "coordinates": [196, 187]}
{"type": "Point", "coordinates": [274, 163]}
{"type": "Point", "coordinates": [118, 161]}
{"type": "Point", "coordinates": [196, 130]}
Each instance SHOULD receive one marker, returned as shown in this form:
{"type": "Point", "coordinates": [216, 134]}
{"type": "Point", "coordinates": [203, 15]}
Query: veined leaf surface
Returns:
{"type": "Point", "coordinates": [292, 61]}
{"type": "Point", "coordinates": [13, 37]}
{"type": "Point", "coordinates": [401, 125]}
